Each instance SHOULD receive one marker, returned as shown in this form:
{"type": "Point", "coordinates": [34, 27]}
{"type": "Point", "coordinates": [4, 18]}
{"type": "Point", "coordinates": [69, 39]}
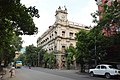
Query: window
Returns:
{"type": "Point", "coordinates": [71, 44]}
{"type": "Point", "coordinates": [47, 38]}
{"type": "Point", "coordinates": [51, 48]}
{"type": "Point", "coordinates": [55, 47]}
{"type": "Point", "coordinates": [63, 49]}
{"type": "Point", "coordinates": [71, 34]}
{"type": "Point", "coordinates": [98, 67]}
{"type": "Point", "coordinates": [75, 33]}
{"type": "Point", "coordinates": [103, 67]}
{"type": "Point", "coordinates": [52, 34]}
{"type": "Point", "coordinates": [63, 33]}
{"type": "Point", "coordinates": [55, 33]}
{"type": "Point", "coordinates": [111, 67]}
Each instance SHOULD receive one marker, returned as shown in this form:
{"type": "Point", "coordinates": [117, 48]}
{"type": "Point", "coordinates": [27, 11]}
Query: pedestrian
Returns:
{"type": "Point", "coordinates": [12, 72]}
{"type": "Point", "coordinates": [29, 66]}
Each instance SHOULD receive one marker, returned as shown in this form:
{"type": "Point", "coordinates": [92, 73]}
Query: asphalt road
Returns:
{"type": "Point", "coordinates": [52, 74]}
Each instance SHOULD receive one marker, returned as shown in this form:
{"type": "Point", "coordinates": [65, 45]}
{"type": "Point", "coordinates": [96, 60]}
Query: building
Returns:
{"type": "Point", "coordinates": [113, 29]}
{"type": "Point", "coordinates": [100, 3]}
{"type": "Point", "coordinates": [60, 35]}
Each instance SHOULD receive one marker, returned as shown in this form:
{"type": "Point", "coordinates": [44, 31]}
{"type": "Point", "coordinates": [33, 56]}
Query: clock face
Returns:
{"type": "Point", "coordinates": [62, 17]}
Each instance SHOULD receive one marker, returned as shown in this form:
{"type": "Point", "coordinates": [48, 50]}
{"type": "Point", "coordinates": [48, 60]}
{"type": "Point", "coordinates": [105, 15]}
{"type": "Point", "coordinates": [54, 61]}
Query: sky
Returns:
{"type": "Point", "coordinates": [78, 11]}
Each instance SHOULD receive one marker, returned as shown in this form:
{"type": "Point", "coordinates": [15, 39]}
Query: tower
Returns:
{"type": "Point", "coordinates": [61, 15]}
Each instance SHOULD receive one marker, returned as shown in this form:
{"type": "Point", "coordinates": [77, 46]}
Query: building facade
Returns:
{"type": "Point", "coordinates": [113, 29]}
{"type": "Point", "coordinates": [100, 3]}
{"type": "Point", "coordinates": [60, 36]}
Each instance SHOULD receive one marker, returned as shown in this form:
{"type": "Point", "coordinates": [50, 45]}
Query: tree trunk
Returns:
{"type": "Point", "coordinates": [82, 68]}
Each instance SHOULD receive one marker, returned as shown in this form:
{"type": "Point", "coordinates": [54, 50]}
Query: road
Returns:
{"type": "Point", "coordinates": [51, 74]}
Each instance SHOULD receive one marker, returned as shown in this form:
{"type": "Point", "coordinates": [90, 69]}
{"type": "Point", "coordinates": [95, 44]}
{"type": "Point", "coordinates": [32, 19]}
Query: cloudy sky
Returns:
{"type": "Point", "coordinates": [78, 11]}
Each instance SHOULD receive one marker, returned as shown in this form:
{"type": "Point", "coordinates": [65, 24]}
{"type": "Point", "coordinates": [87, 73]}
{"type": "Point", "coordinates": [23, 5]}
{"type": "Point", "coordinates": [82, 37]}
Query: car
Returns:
{"type": "Point", "coordinates": [104, 69]}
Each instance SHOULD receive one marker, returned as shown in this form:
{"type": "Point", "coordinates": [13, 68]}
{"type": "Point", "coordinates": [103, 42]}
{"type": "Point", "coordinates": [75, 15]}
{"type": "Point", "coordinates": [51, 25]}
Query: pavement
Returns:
{"type": "Point", "coordinates": [7, 75]}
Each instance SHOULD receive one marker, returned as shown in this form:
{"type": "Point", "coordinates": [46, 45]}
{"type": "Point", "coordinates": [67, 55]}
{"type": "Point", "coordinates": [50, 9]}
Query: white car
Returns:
{"type": "Point", "coordinates": [107, 70]}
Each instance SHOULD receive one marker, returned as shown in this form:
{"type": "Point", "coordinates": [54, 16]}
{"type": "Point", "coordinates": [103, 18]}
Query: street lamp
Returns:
{"type": "Point", "coordinates": [38, 58]}
{"type": "Point", "coordinates": [95, 47]}
{"type": "Point", "coordinates": [95, 53]}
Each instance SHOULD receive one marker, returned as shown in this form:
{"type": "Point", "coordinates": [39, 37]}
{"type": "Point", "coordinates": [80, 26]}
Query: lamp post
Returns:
{"type": "Point", "coordinates": [95, 52]}
{"type": "Point", "coordinates": [38, 58]}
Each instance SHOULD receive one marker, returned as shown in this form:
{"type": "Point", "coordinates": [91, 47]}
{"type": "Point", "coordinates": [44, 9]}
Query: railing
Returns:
{"type": "Point", "coordinates": [76, 24]}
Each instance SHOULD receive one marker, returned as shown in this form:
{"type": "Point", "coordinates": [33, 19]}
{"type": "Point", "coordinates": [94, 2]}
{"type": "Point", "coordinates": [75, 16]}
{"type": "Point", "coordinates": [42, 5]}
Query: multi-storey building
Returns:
{"type": "Point", "coordinates": [60, 35]}
{"type": "Point", "coordinates": [100, 3]}
{"type": "Point", "coordinates": [113, 29]}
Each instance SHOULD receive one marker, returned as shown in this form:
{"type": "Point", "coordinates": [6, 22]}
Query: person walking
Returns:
{"type": "Point", "coordinates": [12, 72]}
{"type": "Point", "coordinates": [29, 66]}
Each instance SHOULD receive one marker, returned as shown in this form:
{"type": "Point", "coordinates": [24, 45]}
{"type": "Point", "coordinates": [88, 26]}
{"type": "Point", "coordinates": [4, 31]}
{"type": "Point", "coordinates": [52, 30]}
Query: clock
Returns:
{"type": "Point", "coordinates": [62, 17]}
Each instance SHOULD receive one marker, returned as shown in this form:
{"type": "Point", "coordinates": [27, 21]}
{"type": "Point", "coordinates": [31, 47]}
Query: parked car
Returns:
{"type": "Point", "coordinates": [107, 70]}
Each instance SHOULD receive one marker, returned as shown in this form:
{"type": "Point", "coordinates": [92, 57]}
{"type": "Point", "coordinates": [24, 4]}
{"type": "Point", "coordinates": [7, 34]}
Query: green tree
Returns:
{"type": "Point", "coordinates": [82, 48]}
{"type": "Point", "coordinates": [110, 15]}
{"type": "Point", "coordinates": [46, 58]}
{"type": "Point", "coordinates": [15, 19]}
{"type": "Point", "coordinates": [91, 45]}
{"type": "Point", "coordinates": [31, 55]}
{"type": "Point", "coordinates": [15, 16]}
{"type": "Point", "coordinates": [98, 44]}
{"type": "Point", "coordinates": [70, 54]}
{"type": "Point", "coordinates": [7, 53]}
{"type": "Point", "coordinates": [51, 60]}
{"type": "Point", "coordinates": [110, 21]}
{"type": "Point", "coordinates": [41, 53]}
{"type": "Point", "coordinates": [111, 18]}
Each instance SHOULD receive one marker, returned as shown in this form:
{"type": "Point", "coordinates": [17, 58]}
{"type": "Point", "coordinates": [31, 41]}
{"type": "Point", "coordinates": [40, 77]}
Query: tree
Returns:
{"type": "Point", "coordinates": [41, 53]}
{"type": "Point", "coordinates": [15, 19]}
{"type": "Point", "coordinates": [91, 45]}
{"type": "Point", "coordinates": [111, 21]}
{"type": "Point", "coordinates": [110, 24]}
{"type": "Point", "coordinates": [82, 48]}
{"type": "Point", "coordinates": [15, 16]}
{"type": "Point", "coordinates": [110, 15]}
{"type": "Point", "coordinates": [70, 54]}
{"type": "Point", "coordinates": [51, 60]}
{"type": "Point", "coordinates": [10, 45]}
{"type": "Point", "coordinates": [98, 44]}
{"type": "Point", "coordinates": [31, 55]}
{"type": "Point", "coordinates": [46, 58]}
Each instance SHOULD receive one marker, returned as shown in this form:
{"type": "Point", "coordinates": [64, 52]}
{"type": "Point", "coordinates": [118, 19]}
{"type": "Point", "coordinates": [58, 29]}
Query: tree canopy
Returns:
{"type": "Point", "coordinates": [91, 47]}
{"type": "Point", "coordinates": [15, 16]}
{"type": "Point", "coordinates": [15, 19]}
{"type": "Point", "coordinates": [110, 15]}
